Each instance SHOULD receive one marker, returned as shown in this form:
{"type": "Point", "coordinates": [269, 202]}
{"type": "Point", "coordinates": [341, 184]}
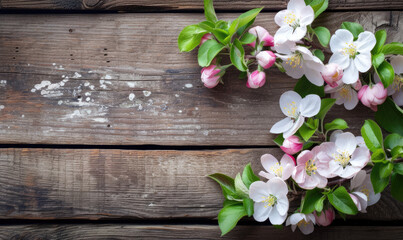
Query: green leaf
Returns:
{"type": "Point", "coordinates": [325, 106]}
{"type": "Point", "coordinates": [318, 6]}
{"type": "Point", "coordinates": [398, 168]}
{"type": "Point", "coordinates": [372, 135]}
{"type": "Point", "coordinates": [229, 202]}
{"type": "Point", "coordinates": [323, 35]}
{"type": "Point", "coordinates": [380, 36]}
{"type": "Point", "coordinates": [190, 37]}
{"type": "Point", "coordinates": [386, 73]}
{"type": "Point", "coordinates": [229, 217]}
{"type": "Point", "coordinates": [248, 205]}
{"type": "Point", "coordinates": [227, 184]}
{"type": "Point", "coordinates": [207, 25]}
{"type": "Point", "coordinates": [240, 188]}
{"type": "Point", "coordinates": [390, 117]}
{"type": "Point", "coordinates": [305, 87]}
{"type": "Point", "coordinates": [393, 140]}
{"type": "Point", "coordinates": [241, 30]}
{"type": "Point", "coordinates": [209, 11]}
{"type": "Point", "coordinates": [397, 152]}
{"type": "Point", "coordinates": [377, 59]}
{"type": "Point", "coordinates": [337, 123]}
{"type": "Point", "coordinates": [220, 34]}
{"type": "Point", "coordinates": [386, 170]}
{"type": "Point", "coordinates": [341, 200]}
{"type": "Point", "coordinates": [393, 48]}
{"type": "Point", "coordinates": [353, 27]}
{"type": "Point", "coordinates": [242, 20]}
{"type": "Point", "coordinates": [310, 200]}
{"type": "Point", "coordinates": [319, 204]}
{"type": "Point", "coordinates": [306, 132]}
{"type": "Point", "coordinates": [378, 156]}
{"type": "Point", "coordinates": [247, 38]}
{"type": "Point", "coordinates": [379, 183]}
{"type": "Point", "coordinates": [397, 186]}
{"type": "Point", "coordinates": [237, 56]}
{"type": "Point", "coordinates": [279, 140]}
{"type": "Point", "coordinates": [318, 53]}
{"type": "Point", "coordinates": [208, 51]}
{"type": "Point", "coordinates": [248, 176]}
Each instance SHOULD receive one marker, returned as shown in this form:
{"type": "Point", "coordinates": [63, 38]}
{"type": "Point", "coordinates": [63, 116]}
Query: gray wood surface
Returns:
{"type": "Point", "coordinates": [95, 183]}
{"type": "Point", "coordinates": [128, 231]}
{"type": "Point", "coordinates": [182, 5]}
{"type": "Point", "coordinates": [118, 79]}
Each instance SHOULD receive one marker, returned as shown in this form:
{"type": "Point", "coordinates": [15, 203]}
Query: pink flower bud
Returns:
{"type": "Point", "coordinates": [209, 76]}
{"type": "Point", "coordinates": [326, 217]}
{"type": "Point", "coordinates": [256, 79]}
{"type": "Point", "coordinates": [331, 74]}
{"type": "Point", "coordinates": [292, 145]}
{"type": "Point", "coordinates": [373, 96]}
{"type": "Point", "coordinates": [206, 37]}
{"type": "Point", "coordinates": [266, 59]}
{"type": "Point", "coordinates": [262, 35]}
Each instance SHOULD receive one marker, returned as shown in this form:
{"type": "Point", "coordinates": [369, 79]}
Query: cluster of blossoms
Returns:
{"type": "Point", "coordinates": [331, 174]}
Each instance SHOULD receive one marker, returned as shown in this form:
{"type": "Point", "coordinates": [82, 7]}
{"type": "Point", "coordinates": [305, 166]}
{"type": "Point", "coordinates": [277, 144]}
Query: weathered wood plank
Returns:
{"type": "Point", "coordinates": [171, 5]}
{"type": "Point", "coordinates": [96, 183]}
{"type": "Point", "coordinates": [128, 84]}
{"type": "Point", "coordinates": [128, 231]}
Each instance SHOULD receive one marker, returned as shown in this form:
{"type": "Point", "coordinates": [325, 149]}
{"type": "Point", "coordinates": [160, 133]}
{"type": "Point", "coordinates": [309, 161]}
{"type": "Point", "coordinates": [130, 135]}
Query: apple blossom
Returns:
{"type": "Point", "coordinates": [296, 109]}
{"type": "Point", "coordinates": [304, 222]}
{"type": "Point", "coordinates": [372, 96]}
{"type": "Point", "coordinates": [359, 139]}
{"type": "Point", "coordinates": [346, 160]}
{"type": "Point", "coordinates": [352, 56]}
{"type": "Point", "coordinates": [274, 169]}
{"type": "Point", "coordinates": [266, 59]}
{"type": "Point", "coordinates": [293, 21]}
{"type": "Point", "coordinates": [360, 200]}
{"type": "Point", "coordinates": [211, 75]}
{"type": "Point", "coordinates": [344, 94]}
{"type": "Point", "coordinates": [332, 73]}
{"type": "Point", "coordinates": [292, 145]}
{"type": "Point", "coordinates": [206, 37]}
{"type": "Point", "coordinates": [306, 174]}
{"type": "Point", "coordinates": [299, 61]}
{"type": "Point", "coordinates": [396, 88]}
{"type": "Point", "coordinates": [270, 199]}
{"type": "Point", "coordinates": [256, 79]}
{"type": "Point", "coordinates": [325, 218]}
{"type": "Point", "coordinates": [262, 36]}
{"type": "Point", "coordinates": [361, 183]}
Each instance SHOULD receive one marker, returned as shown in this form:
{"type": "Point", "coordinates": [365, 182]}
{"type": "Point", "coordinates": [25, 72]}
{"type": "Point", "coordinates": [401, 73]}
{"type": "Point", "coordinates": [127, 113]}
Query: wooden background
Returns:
{"type": "Point", "coordinates": [106, 130]}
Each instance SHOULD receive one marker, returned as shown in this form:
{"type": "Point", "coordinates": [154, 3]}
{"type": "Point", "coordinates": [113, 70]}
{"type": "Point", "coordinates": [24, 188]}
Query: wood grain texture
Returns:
{"type": "Point", "coordinates": [119, 79]}
{"type": "Point", "coordinates": [96, 183]}
{"type": "Point", "coordinates": [127, 231]}
{"type": "Point", "coordinates": [181, 5]}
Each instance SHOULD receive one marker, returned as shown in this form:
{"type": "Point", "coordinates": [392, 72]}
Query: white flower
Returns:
{"type": "Point", "coordinates": [359, 139]}
{"type": "Point", "coordinates": [270, 199]}
{"type": "Point", "coordinates": [352, 56]}
{"type": "Point", "coordinates": [299, 61]}
{"type": "Point", "coordinates": [396, 88]}
{"type": "Point", "coordinates": [293, 21]}
{"type": "Point", "coordinates": [274, 169]}
{"type": "Point", "coordinates": [361, 184]}
{"type": "Point", "coordinates": [346, 160]}
{"type": "Point", "coordinates": [344, 94]}
{"type": "Point", "coordinates": [296, 109]}
{"type": "Point", "coordinates": [304, 222]}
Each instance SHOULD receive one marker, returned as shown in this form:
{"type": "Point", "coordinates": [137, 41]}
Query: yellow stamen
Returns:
{"type": "Point", "coordinates": [269, 201]}
{"type": "Point", "coordinates": [310, 167]}
{"type": "Point", "coordinates": [343, 158]}
{"type": "Point", "coordinates": [345, 93]}
{"type": "Point", "coordinates": [365, 190]}
{"type": "Point", "coordinates": [291, 109]}
{"type": "Point", "coordinates": [350, 50]}
{"type": "Point", "coordinates": [294, 61]}
{"type": "Point", "coordinates": [397, 83]}
{"type": "Point", "coordinates": [277, 169]}
{"type": "Point", "coordinates": [302, 223]}
{"type": "Point", "coordinates": [291, 19]}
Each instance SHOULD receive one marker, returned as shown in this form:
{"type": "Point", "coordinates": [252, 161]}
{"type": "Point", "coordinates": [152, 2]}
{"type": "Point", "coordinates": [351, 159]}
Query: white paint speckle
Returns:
{"type": "Point", "coordinates": [49, 89]}
{"type": "Point", "coordinates": [180, 111]}
{"type": "Point", "coordinates": [54, 64]}
{"type": "Point", "coordinates": [131, 84]}
{"type": "Point", "coordinates": [33, 90]}
{"type": "Point", "coordinates": [196, 108]}
{"type": "Point", "coordinates": [151, 205]}
{"type": "Point", "coordinates": [108, 77]}
{"type": "Point", "coordinates": [88, 99]}
{"type": "Point", "coordinates": [60, 102]}
{"type": "Point", "coordinates": [176, 95]}
{"type": "Point", "coordinates": [77, 75]}
{"type": "Point", "coordinates": [132, 96]}
{"type": "Point", "coordinates": [92, 87]}
{"type": "Point", "coordinates": [86, 84]}
{"type": "Point", "coordinates": [147, 93]}
{"type": "Point", "coordinates": [22, 115]}
{"type": "Point", "coordinates": [87, 94]}
{"type": "Point", "coordinates": [90, 71]}
{"type": "Point", "coordinates": [1, 107]}
{"type": "Point", "coordinates": [100, 120]}
{"type": "Point", "coordinates": [205, 132]}
{"type": "Point", "coordinates": [3, 82]}
{"type": "Point", "coordinates": [188, 85]}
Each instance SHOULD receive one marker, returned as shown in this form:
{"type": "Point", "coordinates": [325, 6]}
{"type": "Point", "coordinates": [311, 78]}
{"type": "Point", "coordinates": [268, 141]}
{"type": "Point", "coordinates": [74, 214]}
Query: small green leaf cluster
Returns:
{"type": "Point", "coordinates": [385, 155]}
{"type": "Point", "coordinates": [237, 203]}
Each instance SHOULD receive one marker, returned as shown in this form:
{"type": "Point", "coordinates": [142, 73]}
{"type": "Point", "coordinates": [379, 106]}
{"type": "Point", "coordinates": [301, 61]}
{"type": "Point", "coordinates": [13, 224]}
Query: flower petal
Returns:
{"type": "Point", "coordinates": [296, 218]}
{"type": "Point", "coordinates": [294, 71]}
{"type": "Point", "coordinates": [306, 228]}
{"type": "Point", "coordinates": [297, 124]}
{"type": "Point", "coordinates": [366, 42]}
{"type": "Point", "coordinates": [349, 172]}
{"type": "Point", "coordinates": [261, 212]}
{"type": "Point", "coordinates": [358, 180]}
{"type": "Point", "coordinates": [346, 142]}
{"type": "Point", "coordinates": [277, 187]}
{"type": "Point", "coordinates": [307, 15]}
{"type": "Point", "coordinates": [350, 74]}
{"type": "Point", "coordinates": [275, 217]}
{"type": "Point", "coordinates": [363, 61]}
{"type": "Point", "coordinates": [340, 39]}
{"type": "Point", "coordinates": [310, 105]}
{"type": "Point", "coordinates": [352, 100]}
{"type": "Point", "coordinates": [298, 34]}
{"type": "Point", "coordinates": [314, 76]}
{"type": "Point", "coordinates": [282, 206]}
{"type": "Point", "coordinates": [268, 161]}
{"type": "Point", "coordinates": [360, 157]}
{"type": "Point", "coordinates": [287, 99]}
{"type": "Point", "coordinates": [398, 98]}
{"type": "Point", "coordinates": [258, 191]}
{"type": "Point", "coordinates": [280, 17]}
{"type": "Point", "coordinates": [283, 34]}
{"type": "Point", "coordinates": [296, 5]}
{"type": "Point", "coordinates": [340, 59]}
{"type": "Point", "coordinates": [282, 126]}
